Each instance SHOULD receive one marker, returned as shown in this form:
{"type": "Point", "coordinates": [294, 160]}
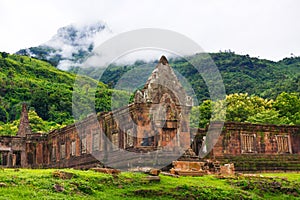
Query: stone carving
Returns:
{"type": "Point", "coordinates": [83, 145]}
{"type": "Point", "coordinates": [129, 138]}
{"type": "Point", "coordinates": [73, 148]}
{"type": "Point", "coordinates": [139, 97]}
{"type": "Point", "coordinates": [248, 143]}
{"type": "Point", "coordinates": [283, 144]}
{"type": "Point", "coordinates": [62, 151]}
{"type": "Point", "coordinates": [96, 140]}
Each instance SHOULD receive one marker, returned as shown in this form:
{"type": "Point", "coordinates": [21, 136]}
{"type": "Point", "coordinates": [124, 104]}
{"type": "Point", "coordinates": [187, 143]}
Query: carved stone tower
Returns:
{"type": "Point", "coordinates": [166, 107]}
{"type": "Point", "coordinates": [24, 127]}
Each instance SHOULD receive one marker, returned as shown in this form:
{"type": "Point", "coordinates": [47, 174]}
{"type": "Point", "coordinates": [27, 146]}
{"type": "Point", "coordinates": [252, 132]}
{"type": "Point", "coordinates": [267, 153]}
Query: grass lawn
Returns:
{"type": "Point", "coordinates": [42, 184]}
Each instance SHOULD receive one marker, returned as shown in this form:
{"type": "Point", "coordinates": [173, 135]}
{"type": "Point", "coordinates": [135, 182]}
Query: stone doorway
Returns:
{"type": "Point", "coordinates": [4, 158]}
{"type": "Point", "coordinates": [17, 158]}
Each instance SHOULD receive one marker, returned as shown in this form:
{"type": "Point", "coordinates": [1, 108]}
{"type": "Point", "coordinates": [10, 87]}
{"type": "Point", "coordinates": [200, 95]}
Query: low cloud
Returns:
{"type": "Point", "coordinates": [74, 42]}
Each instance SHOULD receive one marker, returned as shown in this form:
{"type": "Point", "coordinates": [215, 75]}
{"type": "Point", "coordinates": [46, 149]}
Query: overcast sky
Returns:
{"type": "Point", "coordinates": [265, 28]}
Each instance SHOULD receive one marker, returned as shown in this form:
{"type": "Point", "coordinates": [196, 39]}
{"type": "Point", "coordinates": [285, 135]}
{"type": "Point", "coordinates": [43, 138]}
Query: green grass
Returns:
{"type": "Point", "coordinates": [39, 184]}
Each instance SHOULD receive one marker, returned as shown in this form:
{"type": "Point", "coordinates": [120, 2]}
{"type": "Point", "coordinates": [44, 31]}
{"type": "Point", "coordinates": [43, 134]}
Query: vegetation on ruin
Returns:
{"type": "Point", "coordinates": [41, 184]}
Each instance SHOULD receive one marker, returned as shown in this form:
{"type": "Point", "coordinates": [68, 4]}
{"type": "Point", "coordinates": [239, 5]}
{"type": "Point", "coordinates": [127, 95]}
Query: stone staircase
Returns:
{"type": "Point", "coordinates": [261, 163]}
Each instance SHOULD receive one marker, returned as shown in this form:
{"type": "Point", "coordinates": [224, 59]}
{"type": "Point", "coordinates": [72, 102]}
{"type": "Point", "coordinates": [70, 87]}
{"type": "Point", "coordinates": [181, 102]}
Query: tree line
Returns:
{"type": "Point", "coordinates": [242, 107]}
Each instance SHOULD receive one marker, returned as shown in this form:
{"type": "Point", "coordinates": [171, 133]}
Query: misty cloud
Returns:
{"type": "Point", "coordinates": [268, 29]}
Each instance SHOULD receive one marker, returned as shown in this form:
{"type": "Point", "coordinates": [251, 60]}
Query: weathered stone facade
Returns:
{"type": "Point", "coordinates": [245, 138]}
{"type": "Point", "coordinates": [157, 121]}
{"type": "Point", "coordinates": [255, 146]}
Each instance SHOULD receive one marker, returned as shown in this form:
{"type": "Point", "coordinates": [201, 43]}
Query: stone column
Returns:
{"type": "Point", "coordinates": [178, 136]}
{"type": "Point", "coordinates": [2, 157]}
{"type": "Point", "coordinates": [14, 159]}
{"type": "Point", "coordinates": [290, 144]}
{"type": "Point", "coordinates": [23, 159]}
{"type": "Point", "coordinates": [7, 158]}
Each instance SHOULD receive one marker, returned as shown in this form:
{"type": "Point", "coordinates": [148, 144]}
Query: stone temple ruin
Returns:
{"type": "Point", "coordinates": [154, 128]}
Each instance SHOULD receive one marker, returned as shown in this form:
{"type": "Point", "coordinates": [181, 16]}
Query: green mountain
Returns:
{"type": "Point", "coordinates": [261, 77]}
{"type": "Point", "coordinates": [47, 90]}
{"type": "Point", "coordinates": [240, 73]}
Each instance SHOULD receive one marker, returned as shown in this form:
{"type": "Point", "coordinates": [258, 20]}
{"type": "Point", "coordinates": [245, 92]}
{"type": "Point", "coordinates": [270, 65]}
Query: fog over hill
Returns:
{"type": "Point", "coordinates": [71, 44]}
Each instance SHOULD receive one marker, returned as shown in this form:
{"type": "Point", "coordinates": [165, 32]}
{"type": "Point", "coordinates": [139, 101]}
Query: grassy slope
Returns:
{"type": "Point", "coordinates": [38, 83]}
{"type": "Point", "coordinates": [48, 91]}
{"type": "Point", "coordinates": [38, 184]}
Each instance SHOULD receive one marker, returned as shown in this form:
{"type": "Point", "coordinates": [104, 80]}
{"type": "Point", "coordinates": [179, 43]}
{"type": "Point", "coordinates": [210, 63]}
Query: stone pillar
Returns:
{"type": "Point", "coordinates": [290, 144]}
{"type": "Point", "coordinates": [178, 136]}
{"type": "Point", "coordinates": [14, 159]}
{"type": "Point", "coordinates": [9, 159]}
{"type": "Point", "coordinates": [3, 156]}
{"type": "Point", "coordinates": [6, 156]}
{"type": "Point", "coordinates": [23, 159]}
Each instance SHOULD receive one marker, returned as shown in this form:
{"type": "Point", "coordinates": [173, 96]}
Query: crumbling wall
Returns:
{"type": "Point", "coordinates": [255, 147]}
{"type": "Point", "coordinates": [12, 151]}
{"type": "Point", "coordinates": [245, 138]}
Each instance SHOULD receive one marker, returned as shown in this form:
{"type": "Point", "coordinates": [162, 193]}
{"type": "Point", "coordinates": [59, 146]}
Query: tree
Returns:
{"type": "Point", "coordinates": [269, 116]}
{"type": "Point", "coordinates": [201, 115]}
{"type": "Point", "coordinates": [40, 102]}
{"type": "Point", "coordinates": [288, 105]}
{"type": "Point", "coordinates": [242, 106]}
{"type": "Point", "coordinates": [37, 124]}
{"type": "Point", "coordinates": [3, 115]}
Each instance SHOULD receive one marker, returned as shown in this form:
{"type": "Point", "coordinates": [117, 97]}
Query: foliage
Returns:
{"type": "Point", "coordinates": [244, 108]}
{"type": "Point", "coordinates": [200, 115]}
{"type": "Point", "coordinates": [240, 106]}
{"type": "Point", "coordinates": [269, 116]}
{"type": "Point", "coordinates": [288, 105]}
{"type": "Point", "coordinates": [9, 128]}
{"type": "Point", "coordinates": [37, 124]}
